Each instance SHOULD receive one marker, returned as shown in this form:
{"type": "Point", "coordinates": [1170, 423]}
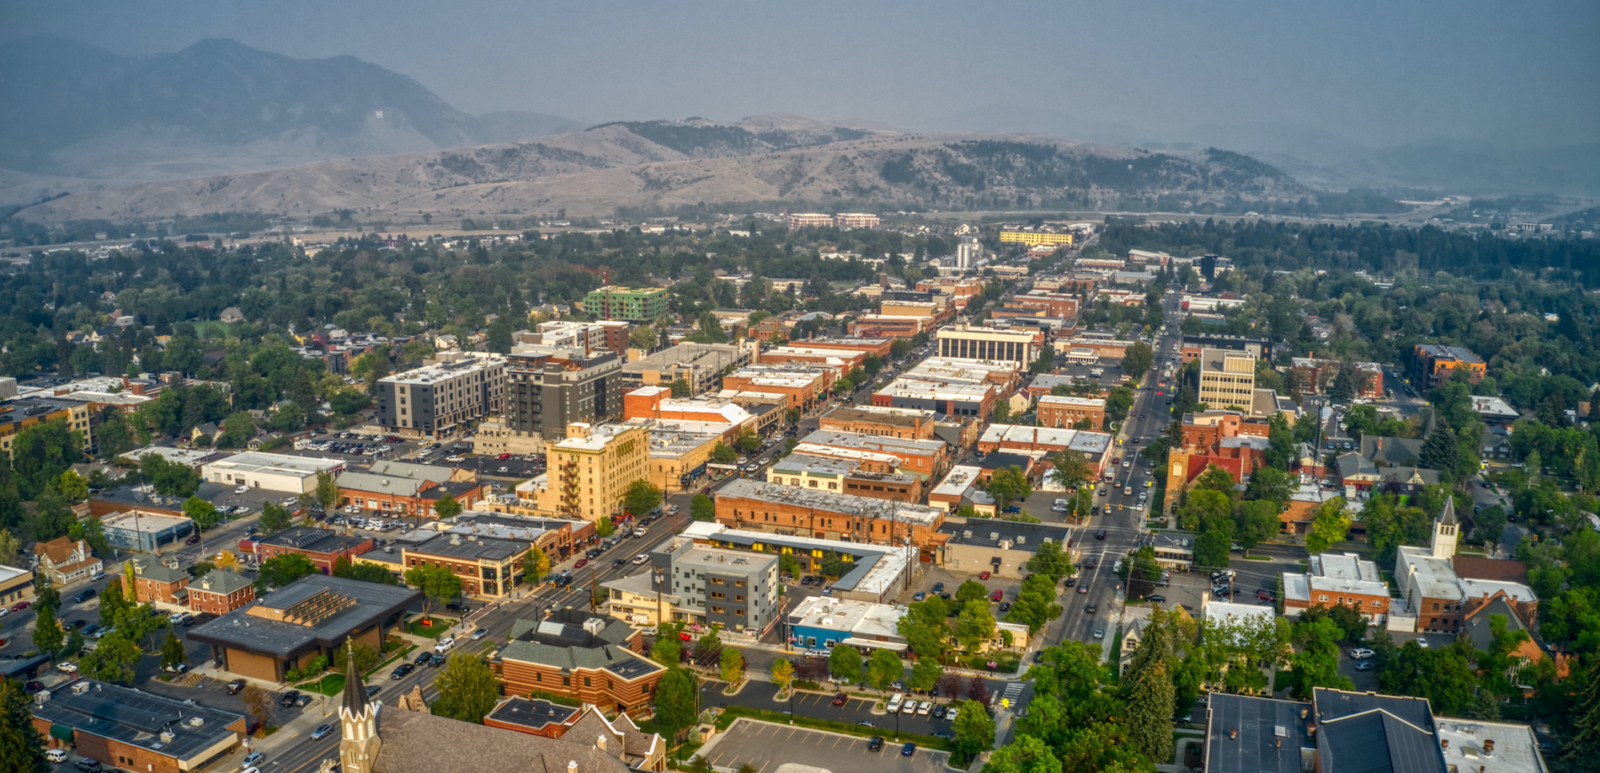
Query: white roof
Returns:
{"type": "Point", "coordinates": [1087, 441]}
{"type": "Point", "coordinates": [1493, 406]}
{"type": "Point", "coordinates": [1295, 587]}
{"type": "Point", "coordinates": [1435, 577]}
{"type": "Point", "coordinates": [836, 452]}
{"type": "Point", "coordinates": [1082, 402]}
{"type": "Point", "coordinates": [1345, 573]}
{"type": "Point", "coordinates": [889, 567]}
{"type": "Point", "coordinates": [1476, 589]}
{"type": "Point", "coordinates": [278, 464]}
{"type": "Point", "coordinates": [186, 456]}
{"type": "Point", "coordinates": [144, 523]}
{"type": "Point", "coordinates": [863, 619]}
{"type": "Point", "coordinates": [959, 480]}
{"type": "Point", "coordinates": [935, 390]}
{"type": "Point", "coordinates": [1516, 749]}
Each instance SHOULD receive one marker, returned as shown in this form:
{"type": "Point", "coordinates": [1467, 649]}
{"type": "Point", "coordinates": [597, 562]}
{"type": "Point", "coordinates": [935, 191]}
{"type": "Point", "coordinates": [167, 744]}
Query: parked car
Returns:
{"type": "Point", "coordinates": [997, 595]}
{"type": "Point", "coordinates": [1005, 606]}
{"type": "Point", "coordinates": [67, 667]}
{"type": "Point", "coordinates": [235, 686]}
{"type": "Point", "coordinates": [919, 596]}
{"type": "Point", "coordinates": [874, 745]}
{"type": "Point", "coordinates": [838, 700]}
{"type": "Point", "coordinates": [908, 750]}
{"type": "Point", "coordinates": [950, 716]}
{"type": "Point", "coordinates": [55, 755]}
{"type": "Point", "coordinates": [1366, 665]}
{"type": "Point", "coordinates": [983, 575]}
{"type": "Point", "coordinates": [289, 698]}
{"type": "Point", "coordinates": [401, 670]}
{"type": "Point", "coordinates": [1157, 598]}
{"type": "Point", "coordinates": [923, 709]}
{"type": "Point", "coordinates": [254, 758]}
{"type": "Point", "coordinates": [938, 587]}
{"type": "Point", "coordinates": [88, 765]}
{"type": "Point", "coordinates": [1361, 653]}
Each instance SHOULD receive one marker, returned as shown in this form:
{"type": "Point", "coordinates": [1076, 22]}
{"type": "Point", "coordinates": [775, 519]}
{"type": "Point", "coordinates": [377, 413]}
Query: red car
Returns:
{"type": "Point", "coordinates": [21, 605]}
{"type": "Point", "coordinates": [997, 595]}
{"type": "Point", "coordinates": [983, 575]}
{"type": "Point", "coordinates": [504, 457]}
{"type": "Point", "coordinates": [582, 562]}
{"type": "Point", "coordinates": [838, 700]}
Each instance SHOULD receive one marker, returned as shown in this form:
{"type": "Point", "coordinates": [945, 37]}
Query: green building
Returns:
{"type": "Point", "coordinates": [641, 304]}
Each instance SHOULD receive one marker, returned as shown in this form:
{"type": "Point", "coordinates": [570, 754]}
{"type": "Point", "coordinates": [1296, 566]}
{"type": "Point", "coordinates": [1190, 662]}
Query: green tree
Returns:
{"type": "Point", "coordinates": [1316, 660]}
{"type": "Point", "coordinates": [280, 570]}
{"type": "Point", "coordinates": [604, 527]}
{"type": "Point", "coordinates": [447, 507]}
{"type": "Point", "coordinates": [1343, 388]}
{"type": "Point", "coordinates": [1269, 484]}
{"type": "Point", "coordinates": [1049, 561]}
{"type": "Point", "coordinates": [21, 746]}
{"type": "Point", "coordinates": [747, 442]}
{"type": "Point", "coordinates": [1071, 468]}
{"type": "Point", "coordinates": [1035, 605]}
{"type": "Point", "coordinates": [675, 702]}
{"type": "Point", "coordinates": [701, 508]}
{"type": "Point", "coordinates": [1025, 754]}
{"type": "Point", "coordinates": [237, 430]}
{"type": "Point", "coordinates": [722, 454]}
{"type": "Point", "coordinates": [1439, 449]}
{"type": "Point", "coordinates": [668, 647]}
{"type": "Point", "coordinates": [1149, 713]}
{"type": "Point", "coordinates": [438, 584]}
{"type": "Point", "coordinates": [845, 664]}
{"type": "Point", "coordinates": [535, 565]}
{"type": "Point", "coordinates": [731, 665]}
{"type": "Point", "coordinates": [1045, 362]}
{"type": "Point", "coordinates": [1330, 526]}
{"type": "Point", "coordinates": [925, 630]}
{"type": "Point", "coordinates": [47, 635]}
{"type": "Point", "coordinates": [327, 489]}
{"type": "Point", "coordinates": [172, 653]}
{"type": "Point", "coordinates": [1137, 359]}
{"type": "Point", "coordinates": [1203, 506]}
{"type": "Point", "coordinates": [1211, 547]}
{"type": "Point", "coordinates": [468, 689]}
{"type": "Point", "coordinates": [681, 388]}
{"type": "Point", "coordinates": [1216, 479]}
{"type": "Point", "coordinates": [974, 625]}
{"type": "Point", "coordinates": [1009, 485]}
{"type": "Point", "coordinates": [883, 669]}
{"type": "Point", "coordinates": [114, 602]}
{"type": "Point", "coordinates": [274, 518]}
{"type": "Point", "coordinates": [1118, 401]}
{"type": "Point", "coordinates": [1256, 522]}
{"type": "Point", "coordinates": [925, 675]}
{"type": "Point", "coordinates": [973, 730]}
{"type": "Point", "coordinates": [1583, 744]}
{"type": "Point", "coordinates": [114, 659]}
{"type": "Point", "coordinates": [782, 674]}
{"type": "Point", "coordinates": [644, 337]}
{"type": "Point", "coordinates": [364, 572]}
{"type": "Point", "coordinates": [73, 486]}
{"type": "Point", "coordinates": [641, 497]}
{"type": "Point", "coordinates": [970, 590]}
{"type": "Point", "coordinates": [202, 512]}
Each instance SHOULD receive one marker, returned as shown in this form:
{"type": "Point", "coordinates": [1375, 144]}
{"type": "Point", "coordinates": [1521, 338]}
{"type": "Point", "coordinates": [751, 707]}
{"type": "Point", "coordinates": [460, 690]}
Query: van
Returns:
{"type": "Point", "coordinates": [894, 702]}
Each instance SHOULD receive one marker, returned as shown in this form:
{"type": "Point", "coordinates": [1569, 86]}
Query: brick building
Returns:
{"type": "Point", "coordinates": [1065, 412]}
{"type": "Point", "coordinates": [903, 423]}
{"type": "Point", "coordinates": [489, 567]}
{"type": "Point", "coordinates": [219, 592]}
{"type": "Point", "coordinates": [400, 488]}
{"type": "Point", "coordinates": [878, 346]}
{"type": "Point", "coordinates": [800, 353]}
{"type": "Point", "coordinates": [160, 583]}
{"type": "Point", "coordinates": [590, 658]}
{"type": "Point", "coordinates": [136, 730]}
{"type": "Point", "coordinates": [789, 510]}
{"type": "Point", "coordinates": [1313, 376]}
{"type": "Point", "coordinates": [802, 386]}
{"type": "Point", "coordinates": [1337, 579]}
{"type": "Point", "coordinates": [1205, 429]}
{"type": "Point", "coordinates": [923, 458]}
{"type": "Point", "coordinates": [323, 546]}
{"type": "Point", "coordinates": [1432, 364]}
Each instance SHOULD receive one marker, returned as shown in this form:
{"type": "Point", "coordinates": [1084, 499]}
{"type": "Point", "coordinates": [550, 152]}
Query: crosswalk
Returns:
{"type": "Point", "coordinates": [1012, 694]}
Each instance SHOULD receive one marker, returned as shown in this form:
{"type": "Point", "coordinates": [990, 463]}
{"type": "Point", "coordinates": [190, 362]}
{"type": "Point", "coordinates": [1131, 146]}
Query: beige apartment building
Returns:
{"type": "Point", "coordinates": [985, 343]}
{"type": "Point", "coordinates": [1227, 378]}
{"type": "Point", "coordinates": [590, 471]}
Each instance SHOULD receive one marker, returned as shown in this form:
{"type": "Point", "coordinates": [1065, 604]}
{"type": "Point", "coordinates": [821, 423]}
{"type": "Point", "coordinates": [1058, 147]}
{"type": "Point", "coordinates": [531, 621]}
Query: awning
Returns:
{"type": "Point", "coordinates": [892, 646]}
{"type": "Point", "coordinates": [62, 732]}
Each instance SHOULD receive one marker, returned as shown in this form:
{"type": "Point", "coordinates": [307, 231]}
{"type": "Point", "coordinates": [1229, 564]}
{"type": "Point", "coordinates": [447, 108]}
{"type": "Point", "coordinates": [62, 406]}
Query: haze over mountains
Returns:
{"type": "Point", "coordinates": [222, 126]}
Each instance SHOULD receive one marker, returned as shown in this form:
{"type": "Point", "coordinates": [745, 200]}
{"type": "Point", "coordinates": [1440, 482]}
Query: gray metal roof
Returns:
{"type": "Point", "coordinates": [1259, 722]}
{"type": "Point", "coordinates": [1378, 742]}
{"type": "Point", "coordinates": [138, 718]}
{"type": "Point", "coordinates": [240, 630]}
{"type": "Point", "coordinates": [470, 547]}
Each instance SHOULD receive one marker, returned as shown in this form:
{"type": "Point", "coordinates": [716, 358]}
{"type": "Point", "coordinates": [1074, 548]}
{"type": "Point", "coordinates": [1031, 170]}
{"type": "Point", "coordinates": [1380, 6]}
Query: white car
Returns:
{"type": "Point", "coordinates": [452, 458]}
{"type": "Point", "coordinates": [926, 707]}
{"type": "Point", "coordinates": [1361, 653]}
{"type": "Point", "coordinates": [241, 489]}
{"type": "Point", "coordinates": [950, 716]}
{"type": "Point", "coordinates": [641, 558]}
{"type": "Point", "coordinates": [445, 645]}
{"type": "Point", "coordinates": [67, 667]}
{"type": "Point", "coordinates": [909, 708]}
{"type": "Point", "coordinates": [55, 755]}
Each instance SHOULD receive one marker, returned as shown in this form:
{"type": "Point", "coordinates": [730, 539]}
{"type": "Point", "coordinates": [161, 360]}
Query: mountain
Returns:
{"type": "Point", "coordinates": [79, 111]}
{"type": "Point", "coordinates": [768, 159]}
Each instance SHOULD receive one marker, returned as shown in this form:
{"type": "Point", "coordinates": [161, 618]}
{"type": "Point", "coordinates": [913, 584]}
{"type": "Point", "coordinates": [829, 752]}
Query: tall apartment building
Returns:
{"type": "Point", "coordinates": [545, 392]}
{"type": "Point", "coordinates": [1432, 364]}
{"type": "Point", "coordinates": [987, 343]}
{"type": "Point", "coordinates": [735, 589]}
{"type": "Point", "coordinates": [436, 400]}
{"type": "Point", "coordinates": [809, 220]}
{"type": "Point", "coordinates": [21, 413]}
{"type": "Point", "coordinates": [1227, 378]}
{"type": "Point", "coordinates": [590, 471]}
{"type": "Point", "coordinates": [590, 337]}
{"type": "Point", "coordinates": [635, 304]}
{"type": "Point", "coordinates": [855, 220]}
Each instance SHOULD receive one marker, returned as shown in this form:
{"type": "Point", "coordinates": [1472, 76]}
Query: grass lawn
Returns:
{"type": "Point", "coordinates": [330, 685]}
{"type": "Point", "coordinates": [1008, 661]}
{"type": "Point", "coordinates": [1257, 558]}
{"type": "Point", "coordinates": [440, 625]}
{"type": "Point", "coordinates": [731, 713]}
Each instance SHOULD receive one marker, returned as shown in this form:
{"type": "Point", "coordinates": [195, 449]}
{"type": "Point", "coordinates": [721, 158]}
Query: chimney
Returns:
{"type": "Point", "coordinates": [1488, 747]}
{"type": "Point", "coordinates": [1233, 734]}
{"type": "Point", "coordinates": [600, 743]}
{"type": "Point", "coordinates": [1444, 744]}
{"type": "Point", "coordinates": [1304, 711]}
{"type": "Point", "coordinates": [572, 766]}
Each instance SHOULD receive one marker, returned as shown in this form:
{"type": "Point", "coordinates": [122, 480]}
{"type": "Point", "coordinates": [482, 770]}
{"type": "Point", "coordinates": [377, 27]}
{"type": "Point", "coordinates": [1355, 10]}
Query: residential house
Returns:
{"type": "Point", "coordinates": [65, 562]}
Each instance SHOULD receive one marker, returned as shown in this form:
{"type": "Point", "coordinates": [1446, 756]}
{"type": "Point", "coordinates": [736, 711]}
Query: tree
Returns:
{"type": "Point", "coordinates": [21, 746]}
{"type": "Point", "coordinates": [644, 337]}
{"type": "Point", "coordinates": [845, 664]}
{"type": "Point", "coordinates": [237, 430]}
{"type": "Point", "coordinates": [202, 512]}
{"type": "Point", "coordinates": [1071, 468]}
{"type": "Point", "coordinates": [1045, 362]}
{"type": "Point", "coordinates": [1035, 605]}
{"type": "Point", "coordinates": [1583, 745]}
{"type": "Point", "coordinates": [747, 442]}
{"type": "Point", "coordinates": [1216, 479]}
{"type": "Point", "coordinates": [924, 675]}
{"type": "Point", "coordinates": [94, 533]}
{"type": "Point", "coordinates": [925, 630]}
{"type": "Point", "coordinates": [722, 454]}
{"type": "Point", "coordinates": [1439, 449]}
{"type": "Point", "coordinates": [363, 572]}
{"type": "Point", "coordinates": [1118, 401]}
{"type": "Point", "coordinates": [970, 590]}
{"type": "Point", "coordinates": [701, 508]}
{"type": "Point", "coordinates": [258, 707]}
{"type": "Point", "coordinates": [172, 653]}
{"type": "Point", "coordinates": [1025, 754]}
{"type": "Point", "coordinates": [1256, 522]}
{"type": "Point", "coordinates": [1149, 713]}
{"type": "Point", "coordinates": [535, 565]}
{"type": "Point", "coordinates": [973, 730]}
{"type": "Point", "coordinates": [447, 507]}
{"type": "Point", "coordinates": [280, 570]}
{"type": "Point", "coordinates": [437, 583]}
{"type": "Point", "coordinates": [8, 548]}
{"type": "Point", "coordinates": [1270, 484]}
{"type": "Point", "coordinates": [113, 660]}
{"type": "Point", "coordinates": [1212, 546]}
{"type": "Point", "coordinates": [1343, 388]}
{"type": "Point", "coordinates": [681, 388]}
{"type": "Point", "coordinates": [1049, 561]}
{"type": "Point", "coordinates": [1009, 485]}
{"type": "Point", "coordinates": [114, 602]}
{"type": "Point", "coordinates": [641, 497]}
{"type": "Point", "coordinates": [883, 669]}
{"type": "Point", "coordinates": [274, 518]}
{"type": "Point", "coordinates": [47, 635]}
{"type": "Point", "coordinates": [468, 690]}
{"type": "Point", "coordinates": [668, 647]}
{"type": "Point", "coordinates": [1330, 526]}
{"type": "Point", "coordinates": [974, 625]}
{"type": "Point", "coordinates": [73, 486]}
{"type": "Point", "coordinates": [327, 489]}
{"type": "Point", "coordinates": [1137, 359]}
{"type": "Point", "coordinates": [675, 702]}
{"type": "Point", "coordinates": [782, 674]}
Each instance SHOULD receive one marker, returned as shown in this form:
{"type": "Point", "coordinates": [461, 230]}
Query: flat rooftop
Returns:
{"type": "Point", "coordinates": [821, 466]}
{"type": "Point", "coordinates": [470, 547]}
{"type": "Point", "coordinates": [251, 631]}
{"type": "Point", "coordinates": [276, 464]}
{"type": "Point", "coordinates": [144, 523]}
{"type": "Point", "coordinates": [989, 533]}
{"type": "Point", "coordinates": [531, 713]}
{"type": "Point", "coordinates": [884, 509]}
{"type": "Point", "coordinates": [1271, 738]}
{"type": "Point", "coordinates": [877, 567]}
{"type": "Point", "coordinates": [859, 618]}
{"type": "Point", "coordinates": [882, 443]}
{"type": "Point", "coordinates": [894, 417]}
{"type": "Point", "coordinates": [139, 718]}
{"type": "Point", "coordinates": [1082, 440]}
{"type": "Point", "coordinates": [956, 483]}
{"type": "Point", "coordinates": [1516, 748]}
{"type": "Point", "coordinates": [429, 374]}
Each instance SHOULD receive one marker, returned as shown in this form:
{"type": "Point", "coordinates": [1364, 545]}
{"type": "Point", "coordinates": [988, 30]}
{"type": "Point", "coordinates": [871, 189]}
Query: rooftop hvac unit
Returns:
{"type": "Point", "coordinates": [196, 721]}
{"type": "Point", "coordinates": [994, 536]}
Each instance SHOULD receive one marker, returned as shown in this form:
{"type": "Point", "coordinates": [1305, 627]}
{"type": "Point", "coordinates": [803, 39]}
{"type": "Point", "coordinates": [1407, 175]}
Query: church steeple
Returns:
{"type": "Point", "coordinates": [1443, 544]}
{"type": "Point", "coordinates": [358, 720]}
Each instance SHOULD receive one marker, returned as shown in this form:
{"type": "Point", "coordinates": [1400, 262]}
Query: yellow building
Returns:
{"type": "Point", "coordinates": [1227, 378]}
{"type": "Point", "coordinates": [678, 453]}
{"type": "Point", "coordinates": [22, 413]}
{"type": "Point", "coordinates": [590, 471]}
{"type": "Point", "coordinates": [1035, 238]}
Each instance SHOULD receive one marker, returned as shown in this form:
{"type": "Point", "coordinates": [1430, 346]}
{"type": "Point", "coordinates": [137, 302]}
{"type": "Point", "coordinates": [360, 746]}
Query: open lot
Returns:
{"type": "Point", "coordinates": [759, 695]}
{"type": "Point", "coordinates": [765, 746]}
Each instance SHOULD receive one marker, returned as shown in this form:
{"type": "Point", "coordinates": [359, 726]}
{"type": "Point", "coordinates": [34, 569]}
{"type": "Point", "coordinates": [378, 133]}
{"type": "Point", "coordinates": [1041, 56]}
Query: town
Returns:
{"type": "Point", "coordinates": [808, 490]}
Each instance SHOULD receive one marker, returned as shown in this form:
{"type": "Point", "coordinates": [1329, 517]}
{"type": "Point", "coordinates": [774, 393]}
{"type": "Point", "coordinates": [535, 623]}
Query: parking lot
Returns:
{"type": "Point", "coordinates": [765, 746]}
{"type": "Point", "coordinates": [760, 695]}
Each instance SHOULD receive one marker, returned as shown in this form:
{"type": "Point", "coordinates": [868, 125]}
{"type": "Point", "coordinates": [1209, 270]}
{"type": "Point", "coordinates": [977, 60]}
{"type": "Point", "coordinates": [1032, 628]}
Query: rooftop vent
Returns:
{"type": "Point", "coordinates": [196, 721]}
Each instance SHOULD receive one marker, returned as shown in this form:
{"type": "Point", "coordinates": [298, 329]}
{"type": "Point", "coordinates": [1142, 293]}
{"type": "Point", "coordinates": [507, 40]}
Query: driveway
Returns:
{"type": "Point", "coordinates": [765, 746]}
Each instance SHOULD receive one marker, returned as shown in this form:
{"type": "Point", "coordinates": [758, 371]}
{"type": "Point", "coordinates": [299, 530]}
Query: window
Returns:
{"type": "Point", "coordinates": [587, 682]}
{"type": "Point", "coordinates": [566, 681]}
{"type": "Point", "coordinates": [1322, 597]}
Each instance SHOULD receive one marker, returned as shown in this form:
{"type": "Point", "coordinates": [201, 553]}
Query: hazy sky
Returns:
{"type": "Point", "coordinates": [1523, 73]}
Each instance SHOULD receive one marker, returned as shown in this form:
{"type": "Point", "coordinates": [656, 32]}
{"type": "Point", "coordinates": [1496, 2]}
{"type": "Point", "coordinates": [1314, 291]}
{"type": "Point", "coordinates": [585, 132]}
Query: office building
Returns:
{"type": "Point", "coordinates": [588, 658]}
{"type": "Point", "coordinates": [1034, 238]}
{"type": "Point", "coordinates": [733, 589]}
{"type": "Point", "coordinates": [591, 469]}
{"type": "Point", "coordinates": [489, 567]}
{"type": "Point", "coordinates": [846, 220]}
{"type": "Point", "coordinates": [21, 413]}
{"type": "Point", "coordinates": [1343, 579]}
{"type": "Point", "coordinates": [883, 421]}
{"type": "Point", "coordinates": [439, 400]}
{"type": "Point", "coordinates": [922, 458]}
{"type": "Point", "coordinates": [642, 304]}
{"type": "Point", "coordinates": [1194, 343]}
{"type": "Point", "coordinates": [845, 476]}
{"type": "Point", "coordinates": [1433, 364]}
{"type": "Point", "coordinates": [273, 472]}
{"type": "Point", "coordinates": [822, 623]}
{"type": "Point", "coordinates": [1313, 376]}
{"type": "Point", "coordinates": [802, 386]}
{"type": "Point", "coordinates": [1067, 412]}
{"type": "Point", "coordinates": [1002, 548]}
{"type": "Point", "coordinates": [951, 399]}
{"type": "Point", "coordinates": [1227, 379]}
{"type": "Point", "coordinates": [323, 547]}
{"type": "Point", "coordinates": [985, 343]}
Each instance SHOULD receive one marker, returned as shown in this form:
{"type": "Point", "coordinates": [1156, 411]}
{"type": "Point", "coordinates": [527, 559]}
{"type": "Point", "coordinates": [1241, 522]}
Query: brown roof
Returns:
{"type": "Point", "coordinates": [57, 550]}
{"type": "Point", "coordinates": [1474, 568]}
{"type": "Point", "coordinates": [623, 737]}
{"type": "Point", "coordinates": [424, 743]}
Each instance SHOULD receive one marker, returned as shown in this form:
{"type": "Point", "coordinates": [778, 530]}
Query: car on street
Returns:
{"type": "Point", "coordinates": [1361, 653]}
{"type": "Point", "coordinates": [67, 667]}
{"type": "Point", "coordinates": [1084, 588]}
{"type": "Point", "coordinates": [88, 765]}
{"type": "Point", "coordinates": [1099, 633]}
{"type": "Point", "coordinates": [372, 689]}
{"type": "Point", "coordinates": [908, 750]}
{"type": "Point", "coordinates": [1158, 598]}
{"type": "Point", "coordinates": [582, 562]}
{"type": "Point", "coordinates": [254, 758]}
{"type": "Point", "coordinates": [83, 595]}
{"type": "Point", "coordinates": [444, 644]}
{"type": "Point", "coordinates": [422, 657]}
{"type": "Point", "coordinates": [1366, 665]}
{"type": "Point", "coordinates": [997, 595]}
{"type": "Point", "coordinates": [874, 745]}
{"type": "Point", "coordinates": [321, 732]}
{"type": "Point", "coordinates": [21, 605]}
{"type": "Point", "coordinates": [480, 633]}
{"type": "Point", "coordinates": [1089, 609]}
{"type": "Point", "coordinates": [401, 670]}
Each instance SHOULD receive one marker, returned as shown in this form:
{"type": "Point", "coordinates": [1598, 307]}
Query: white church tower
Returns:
{"type": "Point", "coordinates": [358, 721]}
{"type": "Point", "coordinates": [1443, 543]}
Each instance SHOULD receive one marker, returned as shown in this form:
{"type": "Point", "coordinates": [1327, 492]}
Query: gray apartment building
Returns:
{"type": "Point", "coordinates": [545, 394]}
{"type": "Point", "coordinates": [736, 589]}
{"type": "Point", "coordinates": [439, 399]}
{"type": "Point", "coordinates": [698, 365]}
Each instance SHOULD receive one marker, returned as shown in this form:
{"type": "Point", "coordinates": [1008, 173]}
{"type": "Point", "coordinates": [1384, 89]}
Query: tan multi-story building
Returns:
{"type": "Point", "coordinates": [1227, 378]}
{"type": "Point", "coordinates": [1066, 412]}
{"type": "Point", "coordinates": [806, 512]}
{"type": "Point", "coordinates": [987, 343]}
{"type": "Point", "coordinates": [24, 412]}
{"type": "Point", "coordinates": [855, 220]}
{"type": "Point", "coordinates": [590, 471]}
{"type": "Point", "coordinates": [810, 220]}
{"type": "Point", "coordinates": [489, 567]}
{"type": "Point", "coordinates": [883, 421]}
{"type": "Point", "coordinates": [1035, 238]}
{"type": "Point", "coordinates": [438, 399]}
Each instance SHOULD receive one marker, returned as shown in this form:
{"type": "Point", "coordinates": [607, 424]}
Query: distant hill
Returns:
{"type": "Point", "coordinates": [79, 111]}
{"type": "Point", "coordinates": [675, 163]}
